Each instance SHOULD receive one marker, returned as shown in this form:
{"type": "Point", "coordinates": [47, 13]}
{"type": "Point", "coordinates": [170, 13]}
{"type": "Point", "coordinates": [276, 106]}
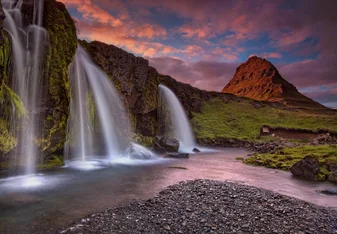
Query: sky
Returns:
{"type": "Point", "coordinates": [202, 42]}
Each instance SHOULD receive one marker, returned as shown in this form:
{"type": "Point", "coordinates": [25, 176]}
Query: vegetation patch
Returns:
{"type": "Point", "coordinates": [51, 162]}
{"type": "Point", "coordinates": [287, 157]}
{"type": "Point", "coordinates": [242, 121]}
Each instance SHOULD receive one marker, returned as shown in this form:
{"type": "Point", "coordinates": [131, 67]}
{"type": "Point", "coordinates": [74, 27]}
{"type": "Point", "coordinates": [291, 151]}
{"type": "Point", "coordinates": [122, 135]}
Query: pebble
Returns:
{"type": "Point", "coordinates": [214, 212]}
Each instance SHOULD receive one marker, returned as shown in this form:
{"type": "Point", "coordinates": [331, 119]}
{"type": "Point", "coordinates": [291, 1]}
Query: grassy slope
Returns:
{"type": "Point", "coordinates": [287, 157]}
{"type": "Point", "coordinates": [241, 120]}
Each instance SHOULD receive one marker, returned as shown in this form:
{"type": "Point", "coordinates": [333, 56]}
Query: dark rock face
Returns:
{"type": "Point", "coordinates": [2, 17]}
{"type": "Point", "coordinates": [260, 80]}
{"type": "Point", "coordinates": [134, 78]}
{"type": "Point", "coordinates": [165, 144]}
{"type": "Point", "coordinates": [196, 150]}
{"type": "Point", "coordinates": [307, 168]}
{"type": "Point", "coordinates": [177, 155]}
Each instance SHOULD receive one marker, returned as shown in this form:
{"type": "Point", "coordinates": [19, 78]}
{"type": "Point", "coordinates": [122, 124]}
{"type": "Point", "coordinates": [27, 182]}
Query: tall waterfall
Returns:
{"type": "Point", "coordinates": [93, 92]}
{"type": "Point", "coordinates": [181, 128]}
{"type": "Point", "coordinates": [29, 43]}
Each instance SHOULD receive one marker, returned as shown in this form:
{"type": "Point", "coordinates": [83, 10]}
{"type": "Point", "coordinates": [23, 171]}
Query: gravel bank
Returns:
{"type": "Point", "coordinates": [204, 206]}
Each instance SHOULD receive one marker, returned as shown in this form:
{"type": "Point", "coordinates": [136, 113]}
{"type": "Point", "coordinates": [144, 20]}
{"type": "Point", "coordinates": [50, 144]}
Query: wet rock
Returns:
{"type": "Point", "coordinates": [135, 151]}
{"type": "Point", "coordinates": [177, 155]}
{"type": "Point", "coordinates": [166, 144]}
{"type": "Point", "coordinates": [196, 150]}
{"type": "Point", "coordinates": [329, 192]}
{"type": "Point", "coordinates": [307, 168]}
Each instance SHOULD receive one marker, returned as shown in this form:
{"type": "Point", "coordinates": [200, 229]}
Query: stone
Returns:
{"type": "Point", "coordinates": [170, 144]}
{"type": "Point", "coordinates": [196, 150]}
{"type": "Point", "coordinates": [307, 168]}
{"type": "Point", "coordinates": [177, 155]}
{"type": "Point", "coordinates": [329, 192]}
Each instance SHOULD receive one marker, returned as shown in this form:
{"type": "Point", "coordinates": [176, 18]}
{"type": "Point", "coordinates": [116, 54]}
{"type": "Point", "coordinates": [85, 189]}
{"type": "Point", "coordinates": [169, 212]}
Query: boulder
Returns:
{"type": "Point", "coordinates": [135, 151]}
{"type": "Point", "coordinates": [196, 150]}
{"type": "Point", "coordinates": [157, 147]}
{"type": "Point", "coordinates": [177, 155]}
{"type": "Point", "coordinates": [307, 168]}
{"type": "Point", "coordinates": [166, 144]}
{"type": "Point", "coordinates": [332, 192]}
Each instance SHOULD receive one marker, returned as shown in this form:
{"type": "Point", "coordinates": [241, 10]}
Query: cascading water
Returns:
{"type": "Point", "coordinates": [92, 91]}
{"type": "Point", "coordinates": [29, 42]}
{"type": "Point", "coordinates": [181, 128]}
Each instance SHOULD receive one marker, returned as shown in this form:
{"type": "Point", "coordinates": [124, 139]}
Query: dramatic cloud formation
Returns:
{"type": "Point", "coordinates": [202, 42]}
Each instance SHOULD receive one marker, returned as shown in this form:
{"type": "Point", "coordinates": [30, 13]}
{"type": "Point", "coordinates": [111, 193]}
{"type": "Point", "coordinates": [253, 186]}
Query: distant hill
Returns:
{"type": "Point", "coordinates": [260, 80]}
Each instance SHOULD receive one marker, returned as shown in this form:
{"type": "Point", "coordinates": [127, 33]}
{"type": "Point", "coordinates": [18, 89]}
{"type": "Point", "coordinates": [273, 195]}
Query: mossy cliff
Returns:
{"type": "Point", "coordinates": [60, 50]}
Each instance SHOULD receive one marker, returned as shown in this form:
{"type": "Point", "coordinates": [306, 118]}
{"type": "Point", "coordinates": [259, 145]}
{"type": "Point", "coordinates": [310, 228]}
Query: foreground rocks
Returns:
{"type": "Point", "coordinates": [307, 168]}
{"type": "Point", "coordinates": [204, 206]}
{"type": "Point", "coordinates": [166, 144]}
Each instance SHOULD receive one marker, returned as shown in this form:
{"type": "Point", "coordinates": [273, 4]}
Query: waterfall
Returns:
{"type": "Point", "coordinates": [110, 127]}
{"type": "Point", "coordinates": [181, 127]}
{"type": "Point", "coordinates": [29, 42]}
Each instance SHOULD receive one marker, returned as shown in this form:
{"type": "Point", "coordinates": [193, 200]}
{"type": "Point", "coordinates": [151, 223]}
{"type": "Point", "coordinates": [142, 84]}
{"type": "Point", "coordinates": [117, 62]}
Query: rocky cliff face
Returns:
{"type": "Point", "coordinates": [260, 80]}
{"type": "Point", "coordinates": [55, 96]}
{"type": "Point", "coordinates": [138, 85]}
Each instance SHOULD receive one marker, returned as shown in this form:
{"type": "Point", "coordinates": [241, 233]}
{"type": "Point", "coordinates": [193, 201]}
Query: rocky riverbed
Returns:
{"type": "Point", "coordinates": [205, 206]}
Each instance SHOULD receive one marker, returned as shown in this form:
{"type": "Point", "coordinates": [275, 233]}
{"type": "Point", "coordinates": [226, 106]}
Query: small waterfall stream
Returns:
{"type": "Point", "coordinates": [181, 128]}
{"type": "Point", "coordinates": [28, 45]}
{"type": "Point", "coordinates": [92, 91]}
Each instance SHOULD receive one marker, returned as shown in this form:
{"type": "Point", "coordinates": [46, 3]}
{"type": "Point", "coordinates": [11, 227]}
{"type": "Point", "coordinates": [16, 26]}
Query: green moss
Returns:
{"type": "Point", "coordinates": [7, 140]}
{"type": "Point", "coordinates": [241, 120]}
{"type": "Point", "coordinates": [62, 47]}
{"type": "Point", "coordinates": [240, 158]}
{"type": "Point", "coordinates": [11, 104]}
{"type": "Point", "coordinates": [51, 162]}
{"type": "Point", "coordinates": [287, 157]}
{"type": "Point", "coordinates": [143, 140]}
{"type": "Point", "coordinates": [5, 51]}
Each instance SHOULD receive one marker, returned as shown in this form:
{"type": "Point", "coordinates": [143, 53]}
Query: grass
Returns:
{"type": "Point", "coordinates": [241, 120]}
{"type": "Point", "coordinates": [286, 158]}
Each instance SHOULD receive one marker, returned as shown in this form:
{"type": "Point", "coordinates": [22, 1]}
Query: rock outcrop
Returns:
{"type": "Point", "coordinates": [55, 82]}
{"type": "Point", "coordinates": [307, 168]}
{"type": "Point", "coordinates": [260, 80]}
{"type": "Point", "coordinates": [166, 144]}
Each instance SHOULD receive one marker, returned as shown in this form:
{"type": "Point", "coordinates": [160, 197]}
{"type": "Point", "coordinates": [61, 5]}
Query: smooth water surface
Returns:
{"type": "Point", "coordinates": [47, 202]}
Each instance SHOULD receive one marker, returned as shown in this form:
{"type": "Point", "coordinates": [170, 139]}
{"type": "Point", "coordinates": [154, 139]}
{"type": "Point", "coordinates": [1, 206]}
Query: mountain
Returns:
{"type": "Point", "coordinates": [260, 80]}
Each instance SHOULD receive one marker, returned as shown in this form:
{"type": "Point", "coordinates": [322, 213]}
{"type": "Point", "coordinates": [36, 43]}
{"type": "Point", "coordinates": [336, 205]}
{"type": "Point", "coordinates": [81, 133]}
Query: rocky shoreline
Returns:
{"type": "Point", "coordinates": [205, 206]}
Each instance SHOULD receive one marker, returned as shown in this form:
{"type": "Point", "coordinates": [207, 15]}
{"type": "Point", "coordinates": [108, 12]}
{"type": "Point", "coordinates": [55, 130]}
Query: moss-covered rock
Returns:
{"type": "Point", "coordinates": [62, 47]}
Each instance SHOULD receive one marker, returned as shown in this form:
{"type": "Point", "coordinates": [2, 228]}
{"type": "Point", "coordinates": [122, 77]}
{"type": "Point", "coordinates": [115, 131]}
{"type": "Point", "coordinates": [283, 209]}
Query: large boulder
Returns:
{"type": "Point", "coordinates": [170, 144]}
{"type": "Point", "coordinates": [166, 144]}
{"type": "Point", "coordinates": [307, 168]}
{"type": "Point", "coordinates": [135, 151]}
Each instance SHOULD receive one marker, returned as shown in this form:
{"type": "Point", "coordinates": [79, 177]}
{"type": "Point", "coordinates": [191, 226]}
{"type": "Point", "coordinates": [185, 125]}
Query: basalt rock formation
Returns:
{"type": "Point", "coordinates": [260, 80]}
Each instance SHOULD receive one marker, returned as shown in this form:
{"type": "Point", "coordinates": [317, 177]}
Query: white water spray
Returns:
{"type": "Point", "coordinates": [111, 116]}
{"type": "Point", "coordinates": [181, 128]}
{"type": "Point", "coordinates": [29, 42]}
